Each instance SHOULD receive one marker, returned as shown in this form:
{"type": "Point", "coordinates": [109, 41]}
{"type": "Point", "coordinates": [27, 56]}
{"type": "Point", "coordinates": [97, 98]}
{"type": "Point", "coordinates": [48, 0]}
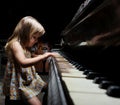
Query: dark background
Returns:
{"type": "Point", "coordinates": [54, 15]}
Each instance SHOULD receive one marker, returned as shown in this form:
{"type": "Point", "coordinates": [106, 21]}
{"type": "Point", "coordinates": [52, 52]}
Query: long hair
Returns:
{"type": "Point", "coordinates": [26, 27]}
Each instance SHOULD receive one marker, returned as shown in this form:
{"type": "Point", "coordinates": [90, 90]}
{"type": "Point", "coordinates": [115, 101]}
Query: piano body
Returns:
{"type": "Point", "coordinates": [86, 69]}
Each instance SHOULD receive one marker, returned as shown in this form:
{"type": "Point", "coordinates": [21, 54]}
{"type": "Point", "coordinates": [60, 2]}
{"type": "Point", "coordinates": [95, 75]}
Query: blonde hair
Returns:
{"type": "Point", "coordinates": [26, 27]}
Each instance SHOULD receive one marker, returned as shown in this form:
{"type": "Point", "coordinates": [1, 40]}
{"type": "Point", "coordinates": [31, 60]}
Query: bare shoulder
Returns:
{"type": "Point", "coordinates": [16, 45]}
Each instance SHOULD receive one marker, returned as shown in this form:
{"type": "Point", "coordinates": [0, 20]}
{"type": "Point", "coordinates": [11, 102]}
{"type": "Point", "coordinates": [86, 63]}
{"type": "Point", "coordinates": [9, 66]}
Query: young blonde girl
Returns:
{"type": "Point", "coordinates": [21, 82]}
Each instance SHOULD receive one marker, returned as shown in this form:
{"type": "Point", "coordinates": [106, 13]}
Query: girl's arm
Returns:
{"type": "Point", "coordinates": [18, 53]}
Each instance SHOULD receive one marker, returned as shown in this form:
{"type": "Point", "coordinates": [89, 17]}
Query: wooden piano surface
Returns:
{"type": "Point", "coordinates": [81, 90]}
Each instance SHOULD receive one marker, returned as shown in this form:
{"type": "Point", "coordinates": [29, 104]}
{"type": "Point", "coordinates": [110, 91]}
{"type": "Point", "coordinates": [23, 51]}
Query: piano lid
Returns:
{"type": "Point", "coordinates": [95, 23]}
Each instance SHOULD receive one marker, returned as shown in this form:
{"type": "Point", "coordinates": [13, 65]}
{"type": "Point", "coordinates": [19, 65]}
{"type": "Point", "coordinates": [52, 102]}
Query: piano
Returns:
{"type": "Point", "coordinates": [86, 69]}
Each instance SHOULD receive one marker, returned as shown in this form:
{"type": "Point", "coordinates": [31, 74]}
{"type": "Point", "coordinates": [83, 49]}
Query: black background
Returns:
{"type": "Point", "coordinates": [54, 15]}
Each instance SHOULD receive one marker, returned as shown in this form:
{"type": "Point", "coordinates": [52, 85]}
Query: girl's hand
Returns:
{"type": "Point", "coordinates": [53, 54]}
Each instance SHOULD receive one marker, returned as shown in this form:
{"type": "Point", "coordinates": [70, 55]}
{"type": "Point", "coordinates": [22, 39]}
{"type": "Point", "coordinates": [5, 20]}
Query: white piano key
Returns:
{"type": "Point", "coordinates": [61, 59]}
{"type": "Point", "coordinates": [85, 92]}
{"type": "Point", "coordinates": [82, 85]}
{"type": "Point", "coordinates": [73, 73]}
{"type": "Point", "coordinates": [82, 98]}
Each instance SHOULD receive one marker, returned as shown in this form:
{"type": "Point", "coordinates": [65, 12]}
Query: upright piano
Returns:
{"type": "Point", "coordinates": [86, 69]}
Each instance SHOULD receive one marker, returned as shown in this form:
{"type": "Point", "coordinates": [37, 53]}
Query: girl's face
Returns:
{"type": "Point", "coordinates": [33, 39]}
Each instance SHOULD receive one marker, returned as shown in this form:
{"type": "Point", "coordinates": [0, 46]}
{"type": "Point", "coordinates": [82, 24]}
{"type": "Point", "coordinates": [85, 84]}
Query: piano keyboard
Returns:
{"type": "Point", "coordinates": [82, 91]}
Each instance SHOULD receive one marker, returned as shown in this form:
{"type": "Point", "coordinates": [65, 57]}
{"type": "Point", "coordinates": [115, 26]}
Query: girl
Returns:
{"type": "Point", "coordinates": [21, 82]}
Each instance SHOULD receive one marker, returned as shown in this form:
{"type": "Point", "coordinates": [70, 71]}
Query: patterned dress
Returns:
{"type": "Point", "coordinates": [19, 81]}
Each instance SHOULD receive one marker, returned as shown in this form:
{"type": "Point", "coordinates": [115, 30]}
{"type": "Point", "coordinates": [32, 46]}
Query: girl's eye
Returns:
{"type": "Point", "coordinates": [34, 37]}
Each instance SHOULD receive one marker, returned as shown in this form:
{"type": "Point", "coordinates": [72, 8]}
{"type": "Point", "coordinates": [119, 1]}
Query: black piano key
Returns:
{"type": "Point", "coordinates": [98, 80]}
{"type": "Point", "coordinates": [113, 91]}
{"type": "Point", "coordinates": [86, 71]}
{"type": "Point", "coordinates": [105, 84]}
{"type": "Point", "coordinates": [92, 75]}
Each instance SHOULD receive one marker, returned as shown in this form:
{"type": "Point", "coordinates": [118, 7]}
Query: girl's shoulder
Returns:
{"type": "Point", "coordinates": [15, 45]}
{"type": "Point", "coordinates": [12, 43]}
{"type": "Point", "coordinates": [9, 45]}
